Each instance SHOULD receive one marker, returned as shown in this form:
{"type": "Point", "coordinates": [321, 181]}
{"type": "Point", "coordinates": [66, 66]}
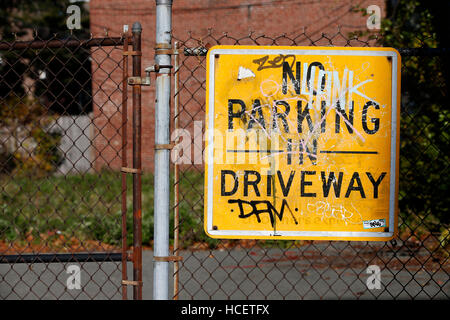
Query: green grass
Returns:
{"type": "Point", "coordinates": [88, 207]}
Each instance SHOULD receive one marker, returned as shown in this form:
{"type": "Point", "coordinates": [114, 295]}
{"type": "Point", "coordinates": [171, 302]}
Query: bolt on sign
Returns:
{"type": "Point", "coordinates": [302, 143]}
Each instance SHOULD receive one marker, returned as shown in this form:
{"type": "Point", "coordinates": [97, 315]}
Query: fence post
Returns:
{"type": "Point", "coordinates": [124, 165]}
{"type": "Point", "coordinates": [162, 155]}
{"type": "Point", "coordinates": [137, 193]}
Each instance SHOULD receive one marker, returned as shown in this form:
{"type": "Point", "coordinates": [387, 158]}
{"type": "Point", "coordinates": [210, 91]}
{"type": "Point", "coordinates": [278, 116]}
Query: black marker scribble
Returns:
{"type": "Point", "coordinates": [277, 62]}
{"type": "Point", "coordinates": [267, 208]}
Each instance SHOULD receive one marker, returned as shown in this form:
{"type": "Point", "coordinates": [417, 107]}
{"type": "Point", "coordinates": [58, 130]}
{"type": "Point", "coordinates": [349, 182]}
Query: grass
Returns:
{"type": "Point", "coordinates": [88, 207]}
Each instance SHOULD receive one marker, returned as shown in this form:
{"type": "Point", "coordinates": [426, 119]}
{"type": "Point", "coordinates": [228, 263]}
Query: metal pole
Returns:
{"type": "Point", "coordinates": [162, 137]}
{"type": "Point", "coordinates": [124, 165]}
{"type": "Point", "coordinates": [176, 214]}
{"type": "Point", "coordinates": [137, 197]}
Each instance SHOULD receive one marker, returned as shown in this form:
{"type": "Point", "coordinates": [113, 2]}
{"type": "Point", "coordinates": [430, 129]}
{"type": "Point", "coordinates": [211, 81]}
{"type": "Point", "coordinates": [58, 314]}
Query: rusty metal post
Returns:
{"type": "Point", "coordinates": [137, 194]}
{"type": "Point", "coordinates": [162, 154]}
{"type": "Point", "coordinates": [124, 165]}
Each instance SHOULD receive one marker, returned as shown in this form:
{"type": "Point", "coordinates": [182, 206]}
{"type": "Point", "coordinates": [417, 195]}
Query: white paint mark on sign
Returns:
{"type": "Point", "coordinates": [244, 73]}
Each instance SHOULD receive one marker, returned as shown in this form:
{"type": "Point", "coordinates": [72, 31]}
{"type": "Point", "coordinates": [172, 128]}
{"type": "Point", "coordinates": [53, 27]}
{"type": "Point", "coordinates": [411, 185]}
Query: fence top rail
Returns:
{"type": "Point", "coordinates": [61, 257]}
{"type": "Point", "coordinates": [58, 43]}
{"type": "Point", "coordinates": [424, 51]}
{"type": "Point", "coordinates": [202, 51]}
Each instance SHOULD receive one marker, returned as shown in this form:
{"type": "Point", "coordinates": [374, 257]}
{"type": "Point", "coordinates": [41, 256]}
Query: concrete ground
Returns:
{"type": "Point", "coordinates": [321, 272]}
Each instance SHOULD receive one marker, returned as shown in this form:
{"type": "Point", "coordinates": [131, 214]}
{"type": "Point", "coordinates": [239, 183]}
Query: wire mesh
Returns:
{"type": "Point", "coordinates": [414, 266]}
{"type": "Point", "coordinates": [60, 124]}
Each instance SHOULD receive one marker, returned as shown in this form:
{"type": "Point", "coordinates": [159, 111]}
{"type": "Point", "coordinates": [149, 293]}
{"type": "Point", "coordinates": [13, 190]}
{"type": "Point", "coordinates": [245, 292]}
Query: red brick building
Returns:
{"type": "Point", "coordinates": [237, 18]}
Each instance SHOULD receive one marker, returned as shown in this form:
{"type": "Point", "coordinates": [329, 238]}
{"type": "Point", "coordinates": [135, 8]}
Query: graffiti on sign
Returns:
{"type": "Point", "coordinates": [302, 143]}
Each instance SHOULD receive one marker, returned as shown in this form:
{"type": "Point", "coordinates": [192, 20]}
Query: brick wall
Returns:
{"type": "Point", "coordinates": [236, 17]}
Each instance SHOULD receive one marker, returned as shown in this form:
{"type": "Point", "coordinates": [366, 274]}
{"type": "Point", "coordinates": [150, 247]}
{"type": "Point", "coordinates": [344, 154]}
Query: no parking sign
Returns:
{"type": "Point", "coordinates": [302, 143]}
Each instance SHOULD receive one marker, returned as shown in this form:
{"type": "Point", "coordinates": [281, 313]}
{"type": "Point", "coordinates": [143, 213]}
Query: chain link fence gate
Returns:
{"type": "Point", "coordinates": [64, 161]}
{"type": "Point", "coordinates": [415, 266]}
{"type": "Point", "coordinates": [63, 206]}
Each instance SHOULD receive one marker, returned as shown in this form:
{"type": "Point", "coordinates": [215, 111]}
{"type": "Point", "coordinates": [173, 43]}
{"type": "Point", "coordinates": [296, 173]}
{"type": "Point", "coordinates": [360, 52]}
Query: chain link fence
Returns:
{"type": "Point", "coordinates": [64, 199]}
{"type": "Point", "coordinates": [60, 136]}
{"type": "Point", "coordinates": [414, 266]}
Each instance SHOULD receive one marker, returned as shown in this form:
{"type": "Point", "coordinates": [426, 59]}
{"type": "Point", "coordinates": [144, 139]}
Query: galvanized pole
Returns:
{"type": "Point", "coordinates": [176, 182]}
{"type": "Point", "coordinates": [162, 154]}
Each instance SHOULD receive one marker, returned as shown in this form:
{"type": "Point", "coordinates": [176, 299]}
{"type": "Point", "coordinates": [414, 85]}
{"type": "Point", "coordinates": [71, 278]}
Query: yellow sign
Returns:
{"type": "Point", "coordinates": [302, 143]}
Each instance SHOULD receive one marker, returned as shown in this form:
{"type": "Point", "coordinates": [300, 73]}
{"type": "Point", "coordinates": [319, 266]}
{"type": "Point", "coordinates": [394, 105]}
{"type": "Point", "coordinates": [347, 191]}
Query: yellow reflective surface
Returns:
{"type": "Point", "coordinates": [300, 143]}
